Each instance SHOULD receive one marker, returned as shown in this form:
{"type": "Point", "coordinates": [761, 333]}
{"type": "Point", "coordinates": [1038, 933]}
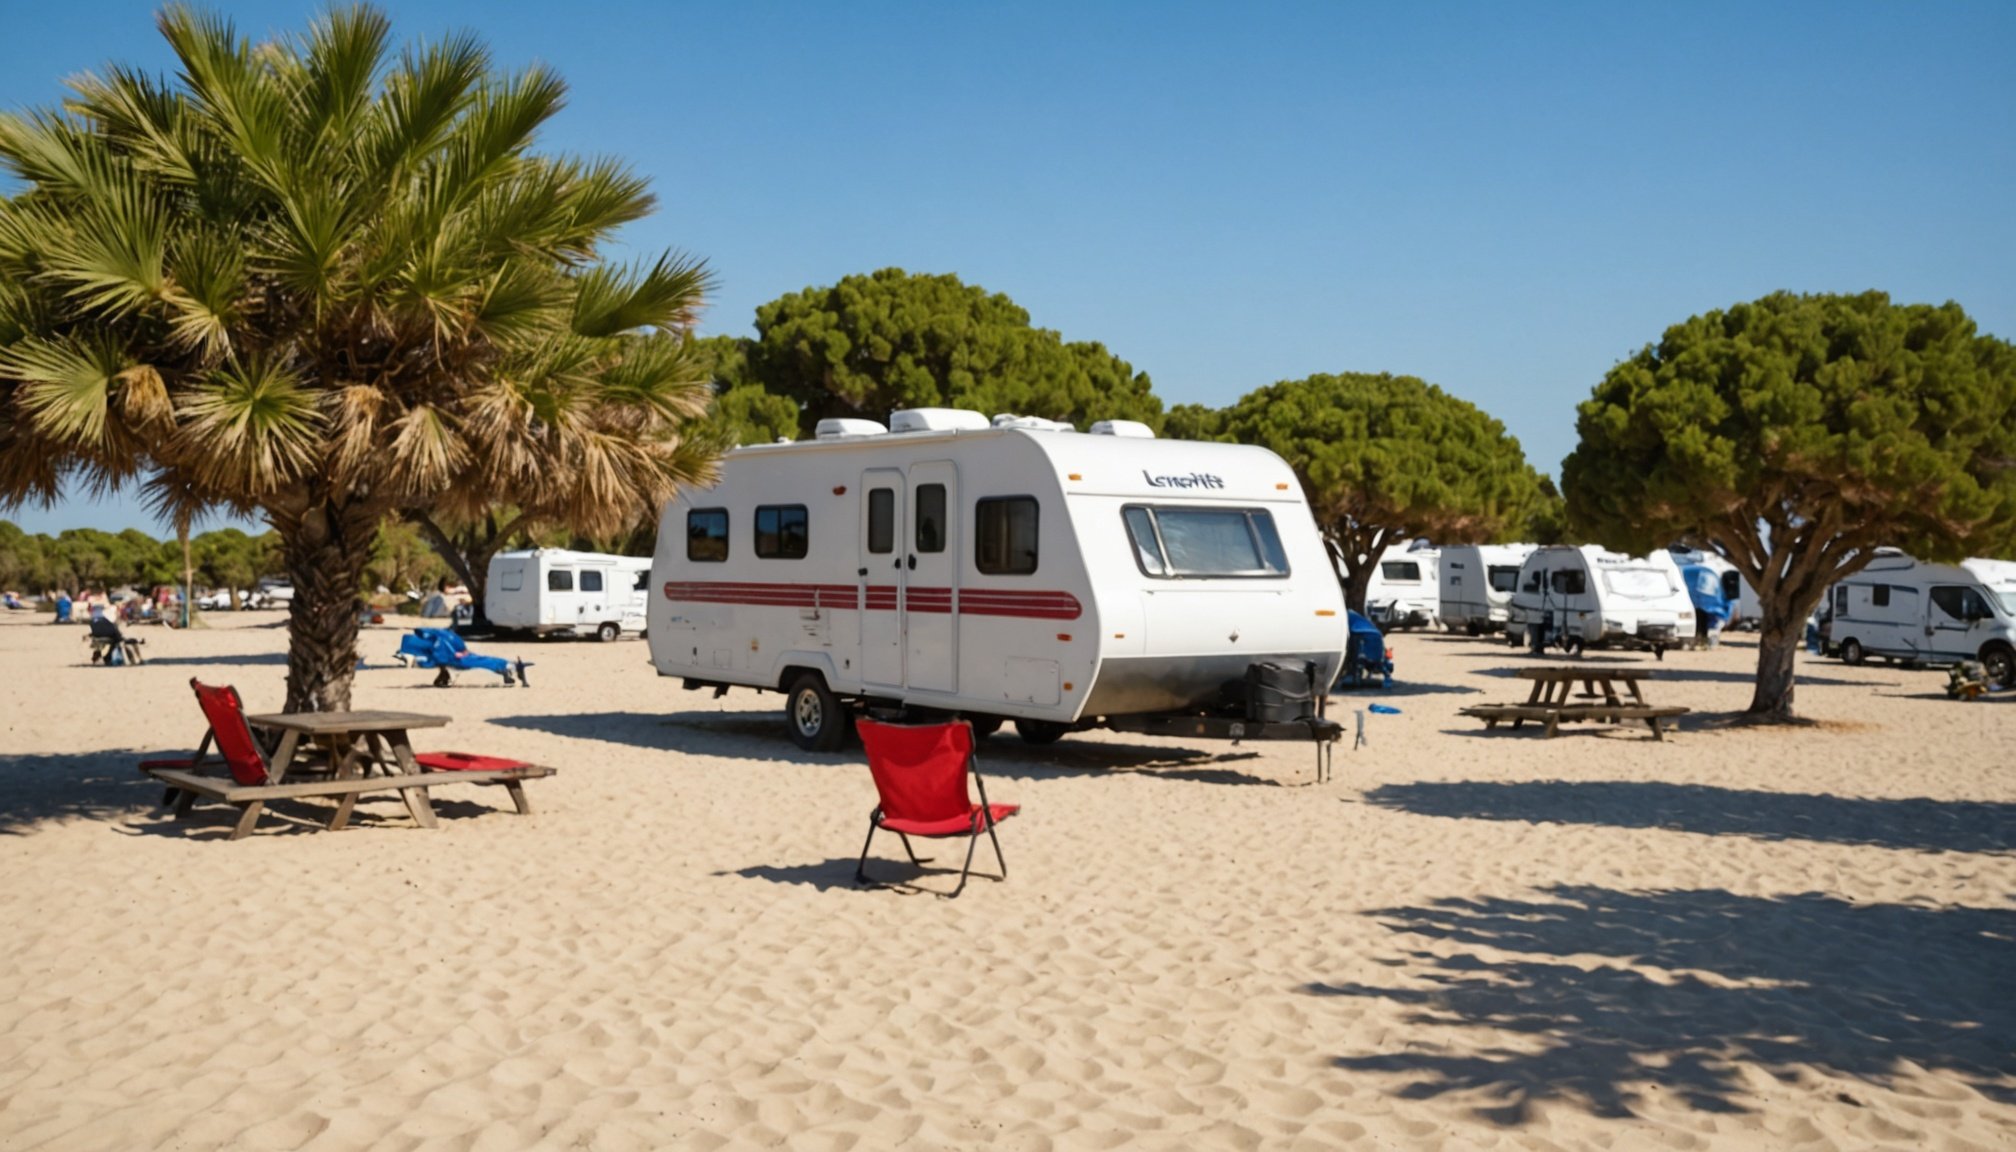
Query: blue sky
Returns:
{"type": "Point", "coordinates": [1502, 199]}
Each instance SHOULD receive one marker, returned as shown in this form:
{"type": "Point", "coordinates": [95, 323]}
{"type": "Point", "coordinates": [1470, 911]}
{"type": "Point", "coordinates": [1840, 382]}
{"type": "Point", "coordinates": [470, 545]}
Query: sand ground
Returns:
{"type": "Point", "coordinates": [1733, 939]}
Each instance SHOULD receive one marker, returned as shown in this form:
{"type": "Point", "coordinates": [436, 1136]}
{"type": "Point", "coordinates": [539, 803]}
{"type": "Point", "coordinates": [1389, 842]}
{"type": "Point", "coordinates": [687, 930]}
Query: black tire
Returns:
{"type": "Point", "coordinates": [984, 726]}
{"type": "Point", "coordinates": [608, 631]}
{"type": "Point", "coordinates": [1474, 628]}
{"type": "Point", "coordinates": [1040, 732]}
{"type": "Point", "coordinates": [1851, 651]}
{"type": "Point", "coordinates": [817, 719]}
{"type": "Point", "coordinates": [1998, 663]}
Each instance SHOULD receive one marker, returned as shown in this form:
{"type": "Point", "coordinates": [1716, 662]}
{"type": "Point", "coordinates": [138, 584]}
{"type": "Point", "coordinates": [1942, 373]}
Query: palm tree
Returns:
{"type": "Point", "coordinates": [318, 281]}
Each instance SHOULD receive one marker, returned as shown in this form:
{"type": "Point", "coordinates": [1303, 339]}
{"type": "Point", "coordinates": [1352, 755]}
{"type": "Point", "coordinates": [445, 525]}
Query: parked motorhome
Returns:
{"type": "Point", "coordinates": [1905, 611]}
{"type": "Point", "coordinates": [552, 591]}
{"type": "Point", "coordinates": [1477, 585]}
{"type": "Point", "coordinates": [1405, 590]}
{"type": "Point", "coordinates": [1590, 597]}
{"type": "Point", "coordinates": [1014, 570]}
{"type": "Point", "coordinates": [1746, 612]}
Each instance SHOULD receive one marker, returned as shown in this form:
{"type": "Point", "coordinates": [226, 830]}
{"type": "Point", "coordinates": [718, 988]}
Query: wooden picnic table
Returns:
{"type": "Point", "coordinates": [357, 744]}
{"type": "Point", "coordinates": [1549, 703]}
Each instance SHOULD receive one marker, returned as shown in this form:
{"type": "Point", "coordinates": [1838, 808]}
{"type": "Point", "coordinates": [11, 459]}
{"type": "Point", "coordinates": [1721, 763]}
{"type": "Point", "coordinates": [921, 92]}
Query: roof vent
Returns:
{"type": "Point", "coordinates": [842, 429]}
{"type": "Point", "coordinates": [1008, 420]}
{"type": "Point", "coordinates": [1131, 428]}
{"type": "Point", "coordinates": [936, 420]}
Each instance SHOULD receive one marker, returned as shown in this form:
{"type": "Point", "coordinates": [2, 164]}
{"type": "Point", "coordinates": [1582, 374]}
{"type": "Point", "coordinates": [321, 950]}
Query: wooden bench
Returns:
{"type": "Point", "coordinates": [1553, 715]}
{"type": "Point", "coordinates": [185, 785]}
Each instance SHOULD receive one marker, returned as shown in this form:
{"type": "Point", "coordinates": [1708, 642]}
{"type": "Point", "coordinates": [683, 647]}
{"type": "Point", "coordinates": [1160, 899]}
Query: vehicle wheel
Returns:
{"type": "Point", "coordinates": [1572, 646]}
{"type": "Point", "coordinates": [607, 632]}
{"type": "Point", "coordinates": [818, 720]}
{"type": "Point", "coordinates": [1474, 628]}
{"type": "Point", "coordinates": [1040, 732]}
{"type": "Point", "coordinates": [984, 726]}
{"type": "Point", "coordinates": [1998, 662]}
{"type": "Point", "coordinates": [1851, 651]}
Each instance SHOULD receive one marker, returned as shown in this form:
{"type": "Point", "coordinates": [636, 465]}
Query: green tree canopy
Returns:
{"type": "Point", "coordinates": [322, 281]}
{"type": "Point", "coordinates": [1796, 434]}
{"type": "Point", "coordinates": [872, 344]}
{"type": "Point", "coordinates": [1383, 459]}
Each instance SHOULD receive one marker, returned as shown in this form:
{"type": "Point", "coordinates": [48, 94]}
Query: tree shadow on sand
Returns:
{"type": "Point", "coordinates": [1908, 823]}
{"type": "Point", "coordinates": [762, 737]}
{"type": "Point", "coordinates": [1682, 990]}
{"type": "Point", "coordinates": [98, 786]}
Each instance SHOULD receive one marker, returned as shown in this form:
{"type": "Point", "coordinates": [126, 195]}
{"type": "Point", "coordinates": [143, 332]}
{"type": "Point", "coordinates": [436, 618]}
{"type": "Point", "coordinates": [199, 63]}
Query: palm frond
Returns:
{"type": "Point", "coordinates": [341, 60]}
{"type": "Point", "coordinates": [250, 428]}
{"type": "Point", "coordinates": [666, 296]}
{"type": "Point", "coordinates": [66, 385]}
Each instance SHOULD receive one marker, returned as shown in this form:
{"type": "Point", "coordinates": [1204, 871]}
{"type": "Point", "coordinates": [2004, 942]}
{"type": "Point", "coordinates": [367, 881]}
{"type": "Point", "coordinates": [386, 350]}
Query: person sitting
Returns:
{"type": "Point", "coordinates": [109, 644]}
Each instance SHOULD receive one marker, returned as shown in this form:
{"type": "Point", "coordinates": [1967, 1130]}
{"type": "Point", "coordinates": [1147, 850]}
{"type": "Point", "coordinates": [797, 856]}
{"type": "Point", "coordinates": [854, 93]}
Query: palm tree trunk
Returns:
{"type": "Point", "coordinates": [325, 552]}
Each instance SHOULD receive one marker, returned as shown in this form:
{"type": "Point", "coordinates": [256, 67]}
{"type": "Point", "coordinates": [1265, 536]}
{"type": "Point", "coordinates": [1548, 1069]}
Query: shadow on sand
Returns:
{"type": "Point", "coordinates": [761, 736]}
{"type": "Point", "coordinates": [887, 875]}
{"type": "Point", "coordinates": [1911, 823]}
{"type": "Point", "coordinates": [1691, 987]}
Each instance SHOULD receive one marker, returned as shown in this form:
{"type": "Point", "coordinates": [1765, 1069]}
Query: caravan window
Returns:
{"type": "Point", "coordinates": [707, 535]}
{"type": "Point", "coordinates": [511, 579]}
{"type": "Point", "coordinates": [1638, 583]}
{"type": "Point", "coordinates": [930, 518]}
{"type": "Point", "coordinates": [1206, 542]}
{"type": "Point", "coordinates": [1880, 596]}
{"type": "Point", "coordinates": [1505, 578]}
{"type": "Point", "coordinates": [1004, 540]}
{"type": "Point", "coordinates": [1571, 582]}
{"type": "Point", "coordinates": [1961, 604]}
{"type": "Point", "coordinates": [881, 520]}
{"type": "Point", "coordinates": [1404, 570]}
{"type": "Point", "coordinates": [1533, 581]}
{"type": "Point", "coordinates": [781, 532]}
{"type": "Point", "coordinates": [1732, 587]}
{"type": "Point", "coordinates": [560, 580]}
{"type": "Point", "coordinates": [591, 580]}
{"type": "Point", "coordinates": [643, 579]}
{"type": "Point", "coordinates": [1840, 600]}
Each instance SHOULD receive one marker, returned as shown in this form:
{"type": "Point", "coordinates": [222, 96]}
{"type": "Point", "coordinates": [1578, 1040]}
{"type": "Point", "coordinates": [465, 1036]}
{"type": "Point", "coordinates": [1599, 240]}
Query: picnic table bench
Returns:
{"type": "Point", "coordinates": [1548, 702]}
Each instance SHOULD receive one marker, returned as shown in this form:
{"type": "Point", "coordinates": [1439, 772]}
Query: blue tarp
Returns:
{"type": "Point", "coordinates": [1365, 662]}
{"type": "Point", "coordinates": [440, 648]}
{"type": "Point", "coordinates": [1704, 587]}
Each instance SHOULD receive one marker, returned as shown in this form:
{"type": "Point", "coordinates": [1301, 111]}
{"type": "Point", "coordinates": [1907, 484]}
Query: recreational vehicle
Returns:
{"type": "Point", "coordinates": [1587, 597]}
{"type": "Point", "coordinates": [555, 592]}
{"type": "Point", "coordinates": [1477, 585]}
{"type": "Point", "coordinates": [1404, 591]}
{"type": "Point", "coordinates": [1902, 610]}
{"type": "Point", "coordinates": [1745, 610]}
{"type": "Point", "coordinates": [1012, 570]}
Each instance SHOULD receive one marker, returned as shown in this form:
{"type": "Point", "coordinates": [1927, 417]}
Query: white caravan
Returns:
{"type": "Point", "coordinates": [1013, 570]}
{"type": "Point", "coordinates": [1477, 585]}
{"type": "Point", "coordinates": [1903, 610]}
{"type": "Point", "coordinates": [554, 591]}
{"type": "Point", "coordinates": [1589, 597]}
{"type": "Point", "coordinates": [1405, 591]}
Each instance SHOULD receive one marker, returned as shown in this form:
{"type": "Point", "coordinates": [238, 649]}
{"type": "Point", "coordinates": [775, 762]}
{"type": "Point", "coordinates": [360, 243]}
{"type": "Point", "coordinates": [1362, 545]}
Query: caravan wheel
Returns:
{"type": "Point", "coordinates": [1851, 651]}
{"type": "Point", "coordinates": [1998, 664]}
{"type": "Point", "coordinates": [1040, 732]}
{"type": "Point", "coordinates": [818, 720]}
{"type": "Point", "coordinates": [608, 631]}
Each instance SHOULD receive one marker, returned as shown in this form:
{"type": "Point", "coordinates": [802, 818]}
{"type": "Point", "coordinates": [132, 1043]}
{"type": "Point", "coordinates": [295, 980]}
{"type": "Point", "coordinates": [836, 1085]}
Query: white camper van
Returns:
{"type": "Point", "coordinates": [1477, 585]}
{"type": "Point", "coordinates": [552, 591]}
{"type": "Point", "coordinates": [1405, 589]}
{"type": "Point", "coordinates": [1903, 610]}
{"type": "Point", "coordinates": [1590, 597]}
{"type": "Point", "coordinates": [1007, 570]}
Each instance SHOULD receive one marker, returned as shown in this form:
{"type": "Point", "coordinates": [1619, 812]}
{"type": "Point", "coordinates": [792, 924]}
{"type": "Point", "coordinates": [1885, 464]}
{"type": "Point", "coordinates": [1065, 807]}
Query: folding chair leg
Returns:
{"type": "Point", "coordinates": [861, 869]}
{"type": "Point", "coordinates": [972, 842]}
{"type": "Point", "coordinates": [517, 791]}
{"type": "Point", "coordinates": [919, 861]}
{"type": "Point", "coordinates": [998, 858]}
{"type": "Point", "coordinates": [246, 821]}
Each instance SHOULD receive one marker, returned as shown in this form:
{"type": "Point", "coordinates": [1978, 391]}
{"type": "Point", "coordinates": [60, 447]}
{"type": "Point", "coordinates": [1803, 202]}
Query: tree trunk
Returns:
{"type": "Point", "coordinates": [1357, 582]}
{"type": "Point", "coordinates": [1779, 640]}
{"type": "Point", "coordinates": [325, 551]}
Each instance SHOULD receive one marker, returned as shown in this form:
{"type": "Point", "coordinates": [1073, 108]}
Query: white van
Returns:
{"type": "Point", "coordinates": [1595, 598]}
{"type": "Point", "coordinates": [1405, 590]}
{"type": "Point", "coordinates": [1902, 610]}
{"type": "Point", "coordinates": [1477, 585]}
{"type": "Point", "coordinates": [552, 591]}
{"type": "Point", "coordinates": [1013, 570]}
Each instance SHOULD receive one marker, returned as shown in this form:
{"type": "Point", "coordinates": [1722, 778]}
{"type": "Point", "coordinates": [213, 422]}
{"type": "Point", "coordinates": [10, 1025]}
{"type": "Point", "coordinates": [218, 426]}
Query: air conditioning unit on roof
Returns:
{"type": "Point", "coordinates": [841, 429]}
{"type": "Point", "coordinates": [936, 420]}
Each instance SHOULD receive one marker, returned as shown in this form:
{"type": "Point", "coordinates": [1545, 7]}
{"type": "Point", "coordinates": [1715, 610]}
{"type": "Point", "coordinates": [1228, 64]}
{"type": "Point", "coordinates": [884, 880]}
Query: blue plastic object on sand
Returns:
{"type": "Point", "coordinates": [1383, 709]}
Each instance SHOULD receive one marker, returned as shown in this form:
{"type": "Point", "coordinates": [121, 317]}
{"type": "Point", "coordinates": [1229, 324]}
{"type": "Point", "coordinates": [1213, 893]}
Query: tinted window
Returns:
{"type": "Point", "coordinates": [1840, 600]}
{"type": "Point", "coordinates": [1400, 570]}
{"type": "Point", "coordinates": [781, 532]}
{"type": "Point", "coordinates": [643, 580]}
{"type": "Point", "coordinates": [707, 534]}
{"type": "Point", "coordinates": [1732, 586]}
{"type": "Point", "coordinates": [560, 580]}
{"type": "Point", "coordinates": [931, 518]}
{"type": "Point", "coordinates": [1504, 579]}
{"type": "Point", "coordinates": [881, 520]}
{"type": "Point", "coordinates": [1571, 582]}
{"type": "Point", "coordinates": [1959, 604]}
{"type": "Point", "coordinates": [1880, 596]}
{"type": "Point", "coordinates": [1229, 542]}
{"type": "Point", "coordinates": [1533, 581]}
{"type": "Point", "coordinates": [591, 580]}
{"type": "Point", "coordinates": [1004, 542]}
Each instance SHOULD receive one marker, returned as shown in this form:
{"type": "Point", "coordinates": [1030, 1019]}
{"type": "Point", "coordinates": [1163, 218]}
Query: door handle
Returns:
{"type": "Point", "coordinates": [913, 562]}
{"type": "Point", "coordinates": [860, 571]}
{"type": "Point", "coordinates": [898, 565]}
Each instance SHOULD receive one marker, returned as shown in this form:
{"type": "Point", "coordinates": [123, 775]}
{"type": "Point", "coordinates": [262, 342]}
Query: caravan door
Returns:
{"type": "Point", "coordinates": [882, 577]}
{"type": "Point", "coordinates": [932, 571]}
{"type": "Point", "coordinates": [560, 602]}
{"type": "Point", "coordinates": [591, 600]}
{"type": "Point", "coordinates": [1957, 622]}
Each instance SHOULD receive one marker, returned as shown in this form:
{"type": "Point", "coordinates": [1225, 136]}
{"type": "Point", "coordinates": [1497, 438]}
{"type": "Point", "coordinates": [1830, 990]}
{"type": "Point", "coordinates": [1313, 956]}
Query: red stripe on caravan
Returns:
{"type": "Point", "coordinates": [1041, 605]}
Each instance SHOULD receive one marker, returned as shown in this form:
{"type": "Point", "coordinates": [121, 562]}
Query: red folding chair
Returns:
{"type": "Point", "coordinates": [920, 777]}
{"type": "Point", "coordinates": [232, 735]}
